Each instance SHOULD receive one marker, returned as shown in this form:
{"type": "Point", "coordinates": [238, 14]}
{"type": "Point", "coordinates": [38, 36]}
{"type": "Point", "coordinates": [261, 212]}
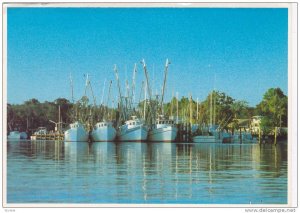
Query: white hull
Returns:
{"type": "Point", "coordinates": [138, 133]}
{"type": "Point", "coordinates": [106, 133]}
{"type": "Point", "coordinates": [168, 133]}
{"type": "Point", "coordinates": [14, 135]}
{"type": "Point", "coordinates": [76, 134]}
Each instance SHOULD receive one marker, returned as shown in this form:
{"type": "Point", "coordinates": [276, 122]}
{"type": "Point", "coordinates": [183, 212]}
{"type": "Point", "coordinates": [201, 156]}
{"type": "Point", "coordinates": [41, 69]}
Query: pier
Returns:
{"type": "Point", "coordinates": [49, 136]}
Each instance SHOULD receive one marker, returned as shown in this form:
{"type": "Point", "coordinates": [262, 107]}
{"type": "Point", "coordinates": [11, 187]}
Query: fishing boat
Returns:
{"type": "Point", "coordinates": [133, 130]}
{"type": "Point", "coordinates": [103, 131]}
{"type": "Point", "coordinates": [164, 130]}
{"type": "Point", "coordinates": [76, 133]}
{"type": "Point", "coordinates": [14, 135]}
{"type": "Point", "coordinates": [41, 131]}
{"type": "Point", "coordinates": [23, 135]}
{"type": "Point", "coordinates": [211, 134]}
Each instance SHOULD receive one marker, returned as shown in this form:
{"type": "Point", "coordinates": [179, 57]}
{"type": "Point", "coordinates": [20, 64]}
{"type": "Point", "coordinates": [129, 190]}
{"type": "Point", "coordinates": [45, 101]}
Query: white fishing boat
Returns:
{"type": "Point", "coordinates": [164, 130]}
{"type": "Point", "coordinates": [76, 132]}
{"type": "Point", "coordinates": [133, 130]}
{"type": "Point", "coordinates": [103, 131]}
{"type": "Point", "coordinates": [14, 135]}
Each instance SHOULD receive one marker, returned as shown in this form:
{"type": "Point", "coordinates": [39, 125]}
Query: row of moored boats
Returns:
{"type": "Point", "coordinates": [134, 129]}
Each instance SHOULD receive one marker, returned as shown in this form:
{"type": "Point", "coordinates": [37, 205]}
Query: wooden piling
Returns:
{"type": "Point", "coordinates": [259, 136]}
{"type": "Point", "coordinates": [275, 136]}
{"type": "Point", "coordinates": [240, 135]}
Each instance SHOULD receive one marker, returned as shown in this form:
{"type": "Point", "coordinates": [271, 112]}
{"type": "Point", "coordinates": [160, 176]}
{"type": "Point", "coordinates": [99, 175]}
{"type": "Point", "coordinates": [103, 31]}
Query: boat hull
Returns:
{"type": "Point", "coordinates": [76, 135]}
{"type": "Point", "coordinates": [23, 135]}
{"type": "Point", "coordinates": [163, 134]}
{"type": "Point", "coordinates": [14, 135]}
{"type": "Point", "coordinates": [139, 133]}
{"type": "Point", "coordinates": [204, 139]}
{"type": "Point", "coordinates": [104, 134]}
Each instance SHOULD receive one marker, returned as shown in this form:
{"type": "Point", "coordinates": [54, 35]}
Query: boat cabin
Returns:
{"type": "Point", "coordinates": [134, 122]}
{"type": "Point", "coordinates": [103, 124]}
{"type": "Point", "coordinates": [162, 121]}
{"type": "Point", "coordinates": [41, 131]}
{"type": "Point", "coordinates": [75, 125]}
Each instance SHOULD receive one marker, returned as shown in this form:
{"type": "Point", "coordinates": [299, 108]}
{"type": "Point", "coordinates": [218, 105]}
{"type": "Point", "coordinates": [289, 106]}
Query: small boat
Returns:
{"type": "Point", "coordinates": [204, 139]}
{"type": "Point", "coordinates": [76, 133]}
{"type": "Point", "coordinates": [103, 131]}
{"type": "Point", "coordinates": [14, 135]}
{"type": "Point", "coordinates": [23, 135]}
{"type": "Point", "coordinates": [133, 130]}
{"type": "Point", "coordinates": [164, 130]}
{"type": "Point", "coordinates": [39, 132]}
{"type": "Point", "coordinates": [209, 134]}
{"type": "Point", "coordinates": [226, 137]}
{"type": "Point", "coordinates": [243, 137]}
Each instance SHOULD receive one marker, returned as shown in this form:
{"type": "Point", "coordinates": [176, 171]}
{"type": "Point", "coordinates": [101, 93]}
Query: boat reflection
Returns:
{"type": "Point", "coordinates": [160, 172]}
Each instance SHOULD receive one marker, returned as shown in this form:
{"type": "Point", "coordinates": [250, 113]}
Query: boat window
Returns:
{"type": "Point", "coordinates": [104, 124]}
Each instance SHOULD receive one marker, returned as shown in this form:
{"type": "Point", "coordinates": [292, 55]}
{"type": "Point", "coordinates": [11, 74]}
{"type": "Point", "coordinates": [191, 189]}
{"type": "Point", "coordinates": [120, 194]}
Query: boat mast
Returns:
{"type": "Point", "coordinates": [59, 121]}
{"type": "Point", "coordinates": [145, 100]}
{"type": "Point", "coordinates": [214, 113]}
{"type": "Point", "coordinates": [133, 83]}
{"type": "Point", "coordinates": [72, 97]}
{"type": "Point", "coordinates": [149, 90]}
{"type": "Point", "coordinates": [164, 85]}
{"type": "Point", "coordinates": [86, 83]}
{"type": "Point", "coordinates": [119, 88]}
{"type": "Point", "coordinates": [103, 89]}
{"type": "Point", "coordinates": [172, 104]}
{"type": "Point", "coordinates": [191, 109]}
{"type": "Point", "coordinates": [106, 114]}
{"type": "Point", "coordinates": [214, 107]}
{"type": "Point", "coordinates": [197, 109]}
{"type": "Point", "coordinates": [71, 83]}
{"type": "Point", "coordinates": [177, 107]}
{"type": "Point", "coordinates": [210, 114]}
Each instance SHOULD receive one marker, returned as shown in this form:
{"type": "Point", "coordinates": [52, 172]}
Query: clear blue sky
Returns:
{"type": "Point", "coordinates": [242, 52]}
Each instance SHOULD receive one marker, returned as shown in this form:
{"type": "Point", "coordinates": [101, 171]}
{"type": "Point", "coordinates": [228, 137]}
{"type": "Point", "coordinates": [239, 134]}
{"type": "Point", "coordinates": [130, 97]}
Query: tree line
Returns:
{"type": "Point", "coordinates": [217, 108]}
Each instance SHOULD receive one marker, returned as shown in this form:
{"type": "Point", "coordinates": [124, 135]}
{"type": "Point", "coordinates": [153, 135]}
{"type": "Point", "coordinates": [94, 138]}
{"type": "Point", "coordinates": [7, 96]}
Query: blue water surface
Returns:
{"type": "Point", "coordinates": [142, 173]}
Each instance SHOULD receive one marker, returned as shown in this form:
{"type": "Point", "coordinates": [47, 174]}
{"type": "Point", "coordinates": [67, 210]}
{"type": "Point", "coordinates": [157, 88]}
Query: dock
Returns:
{"type": "Point", "coordinates": [49, 136]}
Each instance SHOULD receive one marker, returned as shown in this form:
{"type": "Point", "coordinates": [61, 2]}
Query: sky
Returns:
{"type": "Point", "coordinates": [242, 52]}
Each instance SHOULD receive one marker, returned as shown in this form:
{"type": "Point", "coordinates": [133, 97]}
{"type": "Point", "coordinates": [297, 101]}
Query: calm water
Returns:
{"type": "Point", "coordinates": [109, 172]}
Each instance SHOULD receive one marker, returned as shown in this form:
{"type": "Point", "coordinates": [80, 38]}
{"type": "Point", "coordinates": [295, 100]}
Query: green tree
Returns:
{"type": "Point", "coordinates": [274, 107]}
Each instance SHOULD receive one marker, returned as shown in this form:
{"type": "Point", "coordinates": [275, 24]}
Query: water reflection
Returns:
{"type": "Point", "coordinates": [114, 172]}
